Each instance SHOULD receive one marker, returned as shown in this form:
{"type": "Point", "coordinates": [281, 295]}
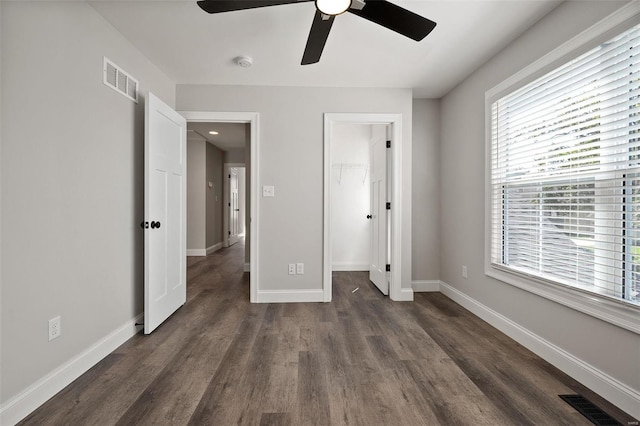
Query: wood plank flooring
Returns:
{"type": "Point", "coordinates": [359, 360]}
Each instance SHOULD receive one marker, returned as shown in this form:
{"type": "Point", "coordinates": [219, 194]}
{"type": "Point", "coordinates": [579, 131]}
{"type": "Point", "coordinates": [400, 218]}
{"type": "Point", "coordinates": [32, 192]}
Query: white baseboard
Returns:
{"type": "Point", "coordinates": [423, 286]}
{"type": "Point", "coordinates": [214, 248]}
{"type": "Point", "coordinates": [196, 252]}
{"type": "Point", "coordinates": [21, 405]}
{"type": "Point", "coordinates": [290, 296]}
{"type": "Point", "coordinates": [247, 267]}
{"type": "Point", "coordinates": [616, 392]}
{"type": "Point", "coordinates": [406, 295]}
{"type": "Point", "coordinates": [349, 266]}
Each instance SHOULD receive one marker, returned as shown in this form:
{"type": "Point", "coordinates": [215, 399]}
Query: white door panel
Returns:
{"type": "Point", "coordinates": [377, 269]}
{"type": "Point", "coordinates": [234, 208]}
{"type": "Point", "coordinates": [165, 212]}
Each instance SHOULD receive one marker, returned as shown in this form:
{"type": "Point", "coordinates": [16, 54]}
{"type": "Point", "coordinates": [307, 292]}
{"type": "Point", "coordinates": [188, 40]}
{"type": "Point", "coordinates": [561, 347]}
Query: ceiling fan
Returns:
{"type": "Point", "coordinates": [381, 12]}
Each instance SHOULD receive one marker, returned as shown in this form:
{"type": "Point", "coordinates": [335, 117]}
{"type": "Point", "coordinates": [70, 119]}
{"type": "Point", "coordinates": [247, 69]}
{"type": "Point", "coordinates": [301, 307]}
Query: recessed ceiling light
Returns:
{"type": "Point", "coordinates": [213, 132]}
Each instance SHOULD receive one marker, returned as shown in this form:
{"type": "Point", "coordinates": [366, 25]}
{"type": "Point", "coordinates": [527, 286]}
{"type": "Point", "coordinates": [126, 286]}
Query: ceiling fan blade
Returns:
{"type": "Point", "coordinates": [317, 38]}
{"type": "Point", "coordinates": [219, 6]}
{"type": "Point", "coordinates": [396, 18]}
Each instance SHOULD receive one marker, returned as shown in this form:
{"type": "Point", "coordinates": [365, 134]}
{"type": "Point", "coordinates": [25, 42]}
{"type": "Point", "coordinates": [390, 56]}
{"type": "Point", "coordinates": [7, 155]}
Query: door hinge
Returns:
{"type": "Point", "coordinates": [229, 232]}
{"type": "Point", "coordinates": [388, 206]}
{"type": "Point", "coordinates": [388, 268]}
{"type": "Point", "coordinates": [388, 144]}
{"type": "Point", "coordinates": [229, 176]}
{"type": "Point", "coordinates": [229, 204]}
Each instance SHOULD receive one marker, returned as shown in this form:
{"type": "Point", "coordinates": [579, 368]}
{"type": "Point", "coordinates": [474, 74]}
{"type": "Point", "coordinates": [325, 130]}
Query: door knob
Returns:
{"type": "Point", "coordinates": [144, 225]}
{"type": "Point", "coordinates": [369, 216]}
{"type": "Point", "coordinates": [155, 225]}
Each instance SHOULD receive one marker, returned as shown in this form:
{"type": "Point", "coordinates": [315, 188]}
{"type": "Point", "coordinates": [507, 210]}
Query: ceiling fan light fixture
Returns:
{"type": "Point", "coordinates": [333, 7]}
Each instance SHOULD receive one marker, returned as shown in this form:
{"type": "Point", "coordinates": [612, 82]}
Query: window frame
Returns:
{"type": "Point", "coordinates": [616, 312]}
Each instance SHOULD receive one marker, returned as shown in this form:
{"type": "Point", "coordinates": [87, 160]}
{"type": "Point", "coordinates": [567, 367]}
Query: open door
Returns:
{"type": "Point", "coordinates": [165, 242]}
{"type": "Point", "coordinates": [234, 207]}
{"type": "Point", "coordinates": [378, 216]}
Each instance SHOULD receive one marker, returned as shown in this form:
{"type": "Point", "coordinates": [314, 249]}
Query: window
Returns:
{"type": "Point", "coordinates": [565, 174]}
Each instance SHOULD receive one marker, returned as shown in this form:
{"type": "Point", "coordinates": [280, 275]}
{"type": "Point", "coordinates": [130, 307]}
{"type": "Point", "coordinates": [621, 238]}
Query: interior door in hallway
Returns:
{"type": "Point", "coordinates": [165, 238]}
{"type": "Point", "coordinates": [234, 207]}
{"type": "Point", "coordinates": [378, 258]}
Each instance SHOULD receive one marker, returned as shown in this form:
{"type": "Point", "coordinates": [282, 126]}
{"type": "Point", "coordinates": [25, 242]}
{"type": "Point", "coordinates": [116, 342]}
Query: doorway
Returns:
{"type": "Point", "coordinates": [251, 167]}
{"type": "Point", "coordinates": [359, 219]}
{"type": "Point", "coordinates": [235, 191]}
{"type": "Point", "coordinates": [393, 226]}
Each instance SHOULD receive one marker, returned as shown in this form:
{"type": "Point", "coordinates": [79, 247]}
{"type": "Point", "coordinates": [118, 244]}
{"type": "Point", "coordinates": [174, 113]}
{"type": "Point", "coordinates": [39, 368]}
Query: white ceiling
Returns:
{"type": "Point", "coordinates": [230, 135]}
{"type": "Point", "coordinates": [194, 47]}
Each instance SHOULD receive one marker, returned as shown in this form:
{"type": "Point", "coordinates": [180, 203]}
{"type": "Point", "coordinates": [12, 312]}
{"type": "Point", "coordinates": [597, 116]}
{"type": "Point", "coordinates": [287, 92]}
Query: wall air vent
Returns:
{"type": "Point", "coordinates": [116, 78]}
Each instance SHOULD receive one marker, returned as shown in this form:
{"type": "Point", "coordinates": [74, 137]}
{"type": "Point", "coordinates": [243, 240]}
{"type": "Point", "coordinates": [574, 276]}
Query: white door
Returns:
{"type": "Point", "coordinates": [165, 277]}
{"type": "Point", "coordinates": [234, 207]}
{"type": "Point", "coordinates": [377, 268]}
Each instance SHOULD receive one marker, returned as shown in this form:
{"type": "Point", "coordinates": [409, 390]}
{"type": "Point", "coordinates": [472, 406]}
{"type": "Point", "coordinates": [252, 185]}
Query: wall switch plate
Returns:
{"type": "Point", "coordinates": [268, 191]}
{"type": "Point", "coordinates": [299, 268]}
{"type": "Point", "coordinates": [54, 328]}
{"type": "Point", "coordinates": [292, 269]}
{"type": "Point", "coordinates": [464, 272]}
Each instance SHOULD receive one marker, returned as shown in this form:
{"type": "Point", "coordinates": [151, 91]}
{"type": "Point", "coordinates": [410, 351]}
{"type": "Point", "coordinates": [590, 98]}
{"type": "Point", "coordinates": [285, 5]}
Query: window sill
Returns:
{"type": "Point", "coordinates": [617, 313]}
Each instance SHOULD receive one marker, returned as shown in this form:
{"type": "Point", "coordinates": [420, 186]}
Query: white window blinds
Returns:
{"type": "Point", "coordinates": [565, 173]}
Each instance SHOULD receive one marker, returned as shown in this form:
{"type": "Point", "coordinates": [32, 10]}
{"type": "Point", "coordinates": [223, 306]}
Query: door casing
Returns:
{"type": "Point", "coordinates": [394, 121]}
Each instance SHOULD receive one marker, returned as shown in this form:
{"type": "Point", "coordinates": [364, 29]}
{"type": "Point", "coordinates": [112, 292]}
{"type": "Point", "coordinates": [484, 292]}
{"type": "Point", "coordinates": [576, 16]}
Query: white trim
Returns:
{"type": "Point", "coordinates": [196, 252]}
{"type": "Point", "coordinates": [424, 286]}
{"type": "Point", "coordinates": [290, 296]}
{"type": "Point", "coordinates": [396, 292]}
{"type": "Point", "coordinates": [214, 248]}
{"type": "Point", "coordinates": [247, 267]}
{"type": "Point", "coordinates": [404, 295]}
{"type": "Point", "coordinates": [21, 405]}
{"type": "Point", "coordinates": [349, 266]}
{"type": "Point", "coordinates": [611, 311]}
{"type": "Point", "coordinates": [614, 391]}
{"type": "Point", "coordinates": [253, 119]}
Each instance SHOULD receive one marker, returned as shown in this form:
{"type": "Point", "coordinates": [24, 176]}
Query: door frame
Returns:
{"type": "Point", "coordinates": [225, 198]}
{"type": "Point", "coordinates": [252, 119]}
{"type": "Point", "coordinates": [395, 175]}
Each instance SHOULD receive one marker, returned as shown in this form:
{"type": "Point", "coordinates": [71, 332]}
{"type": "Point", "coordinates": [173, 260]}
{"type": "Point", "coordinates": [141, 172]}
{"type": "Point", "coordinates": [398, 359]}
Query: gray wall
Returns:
{"type": "Point", "coordinates": [291, 159]}
{"type": "Point", "coordinates": [236, 155]}
{"type": "Point", "coordinates": [607, 348]}
{"type": "Point", "coordinates": [72, 184]}
{"type": "Point", "coordinates": [215, 158]}
{"type": "Point", "coordinates": [425, 214]}
{"type": "Point", "coordinates": [196, 193]}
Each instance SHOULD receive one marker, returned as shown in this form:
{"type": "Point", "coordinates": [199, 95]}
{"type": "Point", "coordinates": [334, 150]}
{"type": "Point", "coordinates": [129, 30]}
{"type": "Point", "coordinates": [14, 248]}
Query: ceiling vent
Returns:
{"type": "Point", "coordinates": [114, 77]}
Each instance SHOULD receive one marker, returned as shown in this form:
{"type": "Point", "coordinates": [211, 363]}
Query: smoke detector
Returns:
{"type": "Point", "coordinates": [244, 61]}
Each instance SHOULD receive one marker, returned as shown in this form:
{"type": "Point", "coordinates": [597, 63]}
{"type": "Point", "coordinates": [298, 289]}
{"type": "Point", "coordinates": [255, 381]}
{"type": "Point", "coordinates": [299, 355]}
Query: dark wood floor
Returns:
{"type": "Point", "coordinates": [360, 360]}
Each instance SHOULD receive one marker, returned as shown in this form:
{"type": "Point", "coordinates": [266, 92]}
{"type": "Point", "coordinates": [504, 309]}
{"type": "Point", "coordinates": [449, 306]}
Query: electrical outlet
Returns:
{"type": "Point", "coordinates": [54, 328]}
{"type": "Point", "coordinates": [292, 269]}
{"type": "Point", "coordinates": [464, 272]}
{"type": "Point", "coordinates": [299, 268]}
